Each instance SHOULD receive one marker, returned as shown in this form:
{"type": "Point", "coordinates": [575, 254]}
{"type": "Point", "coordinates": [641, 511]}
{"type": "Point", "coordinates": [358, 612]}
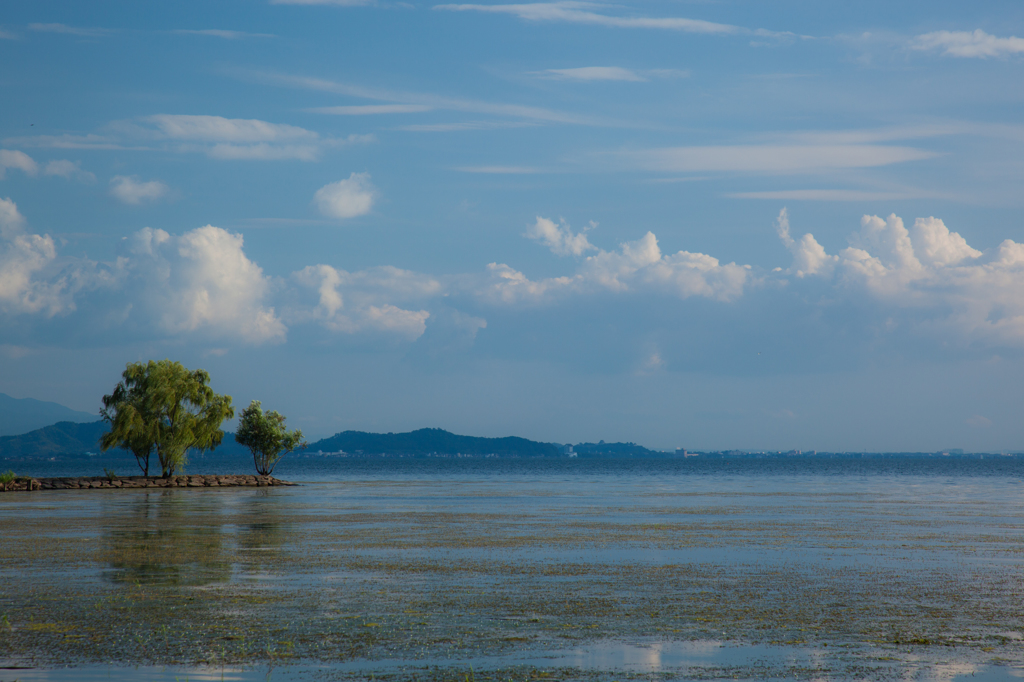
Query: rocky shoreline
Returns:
{"type": "Point", "coordinates": [25, 483]}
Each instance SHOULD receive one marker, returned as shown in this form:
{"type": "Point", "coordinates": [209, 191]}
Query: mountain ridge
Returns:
{"type": "Point", "coordinates": [19, 416]}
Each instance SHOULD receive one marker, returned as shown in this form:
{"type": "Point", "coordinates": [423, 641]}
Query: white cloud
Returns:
{"type": "Point", "coordinates": [364, 301]}
{"type": "Point", "coordinates": [220, 129]}
{"type": "Point", "coordinates": [235, 138]}
{"type": "Point", "coordinates": [593, 73]}
{"type": "Point", "coordinates": [28, 280]}
{"type": "Point", "coordinates": [770, 158]}
{"type": "Point", "coordinates": [15, 159]}
{"type": "Point", "coordinates": [560, 238]}
{"type": "Point", "coordinates": [346, 198]}
{"type": "Point", "coordinates": [809, 257]}
{"type": "Point", "coordinates": [220, 33]}
{"type": "Point", "coordinates": [579, 13]}
{"type": "Point", "coordinates": [945, 288]}
{"type": "Point", "coordinates": [66, 141]}
{"type": "Point", "coordinates": [7, 35]}
{"type": "Point", "coordinates": [72, 30]}
{"type": "Point", "coordinates": [977, 44]}
{"type": "Point", "coordinates": [637, 266]}
{"type": "Point", "coordinates": [131, 190]}
{"type": "Point", "coordinates": [338, 3]}
{"type": "Point", "coordinates": [978, 421]}
{"type": "Point", "coordinates": [440, 102]}
{"type": "Point", "coordinates": [827, 195]}
{"type": "Point", "coordinates": [500, 170]}
{"type": "Point", "coordinates": [371, 109]}
{"type": "Point", "coordinates": [68, 169]}
{"type": "Point", "coordinates": [201, 282]}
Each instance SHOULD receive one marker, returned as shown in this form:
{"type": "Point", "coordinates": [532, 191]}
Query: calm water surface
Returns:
{"type": "Point", "coordinates": [520, 569]}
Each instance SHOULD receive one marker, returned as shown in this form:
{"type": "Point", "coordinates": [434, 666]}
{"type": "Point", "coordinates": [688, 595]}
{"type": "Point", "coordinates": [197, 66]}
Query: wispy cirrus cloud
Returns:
{"type": "Point", "coordinates": [7, 35]}
{"type": "Point", "coordinates": [221, 33]}
{"type": "Point", "coordinates": [235, 138]}
{"type": "Point", "coordinates": [500, 170]}
{"type": "Point", "coordinates": [67, 141]}
{"type": "Point", "coordinates": [337, 3]}
{"type": "Point", "coordinates": [572, 11]}
{"type": "Point", "coordinates": [609, 73]}
{"type": "Point", "coordinates": [371, 109]}
{"type": "Point", "coordinates": [216, 136]}
{"type": "Point", "coordinates": [592, 73]}
{"type": "Point", "coordinates": [431, 101]}
{"type": "Point", "coordinates": [582, 13]}
{"type": "Point", "coordinates": [972, 44]}
{"type": "Point", "coordinates": [829, 195]}
{"type": "Point", "coordinates": [771, 158]}
{"type": "Point", "coordinates": [80, 31]}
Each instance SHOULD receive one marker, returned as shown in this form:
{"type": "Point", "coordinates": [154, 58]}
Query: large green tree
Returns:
{"type": "Point", "coordinates": [166, 407]}
{"type": "Point", "coordinates": [266, 437]}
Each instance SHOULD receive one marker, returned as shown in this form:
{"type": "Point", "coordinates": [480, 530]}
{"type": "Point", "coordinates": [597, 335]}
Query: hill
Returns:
{"type": "Point", "coordinates": [603, 449]}
{"type": "Point", "coordinates": [60, 439]}
{"type": "Point", "coordinates": [431, 442]}
{"type": "Point", "coordinates": [21, 415]}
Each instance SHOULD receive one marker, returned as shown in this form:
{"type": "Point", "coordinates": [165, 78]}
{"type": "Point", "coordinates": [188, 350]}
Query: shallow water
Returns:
{"type": "Point", "coordinates": [760, 569]}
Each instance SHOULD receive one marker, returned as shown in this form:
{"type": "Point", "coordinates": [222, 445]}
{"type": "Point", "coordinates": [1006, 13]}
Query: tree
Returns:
{"type": "Point", "coordinates": [130, 427]}
{"type": "Point", "coordinates": [266, 437]}
{"type": "Point", "coordinates": [165, 406]}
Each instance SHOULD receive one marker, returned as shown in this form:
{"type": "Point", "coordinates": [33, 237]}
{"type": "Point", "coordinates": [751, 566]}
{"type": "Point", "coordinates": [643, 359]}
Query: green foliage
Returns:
{"type": "Point", "coordinates": [7, 477]}
{"type": "Point", "coordinates": [166, 407]}
{"type": "Point", "coordinates": [266, 436]}
{"type": "Point", "coordinates": [109, 474]}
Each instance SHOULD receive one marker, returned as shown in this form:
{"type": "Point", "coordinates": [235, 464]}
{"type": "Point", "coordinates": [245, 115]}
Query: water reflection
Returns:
{"type": "Point", "coordinates": [164, 538]}
{"type": "Point", "coordinates": [263, 536]}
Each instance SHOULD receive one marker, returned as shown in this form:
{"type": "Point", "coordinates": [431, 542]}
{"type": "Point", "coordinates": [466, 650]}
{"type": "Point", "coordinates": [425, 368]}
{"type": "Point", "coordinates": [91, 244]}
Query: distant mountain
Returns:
{"type": "Point", "coordinates": [603, 449]}
{"type": "Point", "coordinates": [60, 439]}
{"type": "Point", "coordinates": [432, 441]}
{"type": "Point", "coordinates": [71, 440]}
{"type": "Point", "coordinates": [21, 415]}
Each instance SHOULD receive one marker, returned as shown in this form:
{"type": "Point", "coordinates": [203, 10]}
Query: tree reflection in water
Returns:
{"type": "Point", "coordinates": [262, 539]}
{"type": "Point", "coordinates": [166, 538]}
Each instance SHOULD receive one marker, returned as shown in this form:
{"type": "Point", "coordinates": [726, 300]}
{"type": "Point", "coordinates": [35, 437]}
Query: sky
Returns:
{"type": "Point", "coordinates": [711, 225]}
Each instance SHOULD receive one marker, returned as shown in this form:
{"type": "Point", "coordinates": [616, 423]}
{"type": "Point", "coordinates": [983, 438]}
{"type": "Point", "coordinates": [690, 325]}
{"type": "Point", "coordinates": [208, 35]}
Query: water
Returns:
{"type": "Point", "coordinates": [582, 569]}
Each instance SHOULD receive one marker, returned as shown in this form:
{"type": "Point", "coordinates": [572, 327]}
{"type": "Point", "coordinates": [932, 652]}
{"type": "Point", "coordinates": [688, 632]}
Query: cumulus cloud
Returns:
{"type": "Point", "coordinates": [365, 301]}
{"type": "Point", "coordinates": [346, 198]}
{"type": "Point", "coordinates": [200, 282]}
{"type": "Point", "coordinates": [31, 280]}
{"type": "Point", "coordinates": [637, 266]}
{"type": "Point", "coordinates": [132, 191]}
{"type": "Point", "coordinates": [560, 238]}
{"type": "Point", "coordinates": [951, 291]}
{"type": "Point", "coordinates": [809, 257]}
{"type": "Point", "coordinates": [14, 159]}
{"type": "Point", "coordinates": [976, 44]}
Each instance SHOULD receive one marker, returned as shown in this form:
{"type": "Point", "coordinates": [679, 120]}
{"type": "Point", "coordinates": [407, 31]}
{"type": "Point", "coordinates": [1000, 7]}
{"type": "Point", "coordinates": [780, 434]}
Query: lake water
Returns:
{"type": "Point", "coordinates": [445, 569]}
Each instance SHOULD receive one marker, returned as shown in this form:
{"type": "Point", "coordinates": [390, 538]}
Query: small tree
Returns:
{"type": "Point", "coordinates": [266, 436]}
{"type": "Point", "coordinates": [165, 406]}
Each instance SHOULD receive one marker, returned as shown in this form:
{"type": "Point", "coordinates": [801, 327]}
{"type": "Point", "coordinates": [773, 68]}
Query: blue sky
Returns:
{"type": "Point", "coordinates": [686, 224]}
